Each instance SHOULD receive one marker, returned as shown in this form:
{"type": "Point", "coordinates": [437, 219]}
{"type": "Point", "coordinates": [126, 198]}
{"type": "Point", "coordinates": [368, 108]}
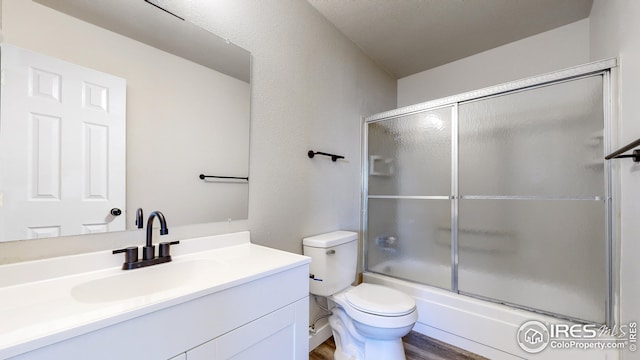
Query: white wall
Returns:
{"type": "Point", "coordinates": [310, 87]}
{"type": "Point", "coordinates": [553, 50]}
{"type": "Point", "coordinates": [182, 118]}
{"type": "Point", "coordinates": [615, 31]}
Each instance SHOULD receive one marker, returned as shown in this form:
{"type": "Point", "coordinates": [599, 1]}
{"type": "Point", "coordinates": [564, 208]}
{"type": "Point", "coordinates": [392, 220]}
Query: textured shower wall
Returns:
{"type": "Point", "coordinates": [310, 87]}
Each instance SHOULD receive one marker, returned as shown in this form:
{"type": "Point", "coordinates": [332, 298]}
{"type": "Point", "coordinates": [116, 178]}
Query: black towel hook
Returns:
{"type": "Point", "coordinates": [334, 157]}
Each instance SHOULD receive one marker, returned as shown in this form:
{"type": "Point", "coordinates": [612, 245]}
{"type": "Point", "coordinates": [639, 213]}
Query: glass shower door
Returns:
{"type": "Point", "coordinates": [532, 206]}
{"type": "Point", "coordinates": [409, 197]}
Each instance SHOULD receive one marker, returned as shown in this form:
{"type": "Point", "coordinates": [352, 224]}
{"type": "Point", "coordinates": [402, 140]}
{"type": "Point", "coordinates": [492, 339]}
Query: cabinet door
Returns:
{"type": "Point", "coordinates": [269, 337]}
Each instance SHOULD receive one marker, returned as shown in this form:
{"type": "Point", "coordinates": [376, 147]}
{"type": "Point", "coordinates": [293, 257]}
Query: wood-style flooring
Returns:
{"type": "Point", "coordinates": [416, 347]}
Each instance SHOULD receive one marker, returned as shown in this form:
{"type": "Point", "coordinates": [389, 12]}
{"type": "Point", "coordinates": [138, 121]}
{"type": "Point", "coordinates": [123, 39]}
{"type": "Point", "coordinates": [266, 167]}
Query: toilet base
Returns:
{"type": "Point", "coordinates": [351, 345]}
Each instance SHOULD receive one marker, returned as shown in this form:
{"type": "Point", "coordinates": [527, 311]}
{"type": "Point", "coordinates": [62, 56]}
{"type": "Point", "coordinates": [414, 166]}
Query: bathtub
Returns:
{"type": "Point", "coordinates": [485, 328]}
{"type": "Point", "coordinates": [541, 296]}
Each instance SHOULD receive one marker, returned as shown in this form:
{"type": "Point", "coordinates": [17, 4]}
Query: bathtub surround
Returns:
{"type": "Point", "coordinates": [504, 178]}
{"type": "Point", "coordinates": [481, 327]}
{"type": "Point", "coordinates": [610, 31]}
{"type": "Point", "coordinates": [479, 233]}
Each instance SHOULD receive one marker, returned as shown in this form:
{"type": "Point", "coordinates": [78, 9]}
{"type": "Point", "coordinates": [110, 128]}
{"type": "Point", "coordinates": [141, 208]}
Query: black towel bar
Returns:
{"type": "Point", "coordinates": [202, 177]}
{"type": "Point", "coordinates": [635, 155]}
{"type": "Point", "coordinates": [334, 157]}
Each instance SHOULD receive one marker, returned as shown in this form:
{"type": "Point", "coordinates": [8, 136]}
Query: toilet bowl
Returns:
{"type": "Point", "coordinates": [368, 321]}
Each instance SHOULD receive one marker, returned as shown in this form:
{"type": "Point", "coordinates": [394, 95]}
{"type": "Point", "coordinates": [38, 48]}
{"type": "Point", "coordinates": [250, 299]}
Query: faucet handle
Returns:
{"type": "Point", "coordinates": [131, 254]}
{"type": "Point", "coordinates": [164, 248]}
{"type": "Point", "coordinates": [139, 216]}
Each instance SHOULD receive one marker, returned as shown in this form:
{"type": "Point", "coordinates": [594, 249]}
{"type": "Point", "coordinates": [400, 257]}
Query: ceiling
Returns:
{"type": "Point", "coordinates": [405, 37]}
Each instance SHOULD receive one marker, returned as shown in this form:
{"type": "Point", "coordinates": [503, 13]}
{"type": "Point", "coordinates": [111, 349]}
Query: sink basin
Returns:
{"type": "Point", "coordinates": [67, 298]}
{"type": "Point", "coordinates": [146, 281]}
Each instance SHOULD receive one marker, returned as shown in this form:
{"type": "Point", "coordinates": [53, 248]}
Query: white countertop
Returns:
{"type": "Point", "coordinates": [46, 301]}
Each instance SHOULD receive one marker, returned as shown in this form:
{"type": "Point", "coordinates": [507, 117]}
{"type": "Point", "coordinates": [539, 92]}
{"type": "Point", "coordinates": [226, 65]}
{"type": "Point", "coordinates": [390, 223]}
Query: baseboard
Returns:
{"type": "Point", "coordinates": [321, 335]}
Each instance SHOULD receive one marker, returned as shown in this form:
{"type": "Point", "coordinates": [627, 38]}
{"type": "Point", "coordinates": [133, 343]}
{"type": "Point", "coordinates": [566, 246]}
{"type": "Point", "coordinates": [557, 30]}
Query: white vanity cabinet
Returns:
{"type": "Point", "coordinates": [259, 311]}
{"type": "Point", "coordinates": [268, 337]}
{"type": "Point", "coordinates": [265, 316]}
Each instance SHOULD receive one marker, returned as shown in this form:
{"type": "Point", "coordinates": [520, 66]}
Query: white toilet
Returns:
{"type": "Point", "coordinates": [368, 320]}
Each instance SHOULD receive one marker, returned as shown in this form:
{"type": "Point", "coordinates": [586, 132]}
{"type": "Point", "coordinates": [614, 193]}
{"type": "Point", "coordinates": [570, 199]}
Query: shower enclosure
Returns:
{"type": "Point", "coordinates": [502, 194]}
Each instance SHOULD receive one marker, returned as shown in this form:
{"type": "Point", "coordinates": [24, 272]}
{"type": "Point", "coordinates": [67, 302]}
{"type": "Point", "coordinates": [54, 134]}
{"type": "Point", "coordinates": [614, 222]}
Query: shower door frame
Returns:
{"type": "Point", "coordinates": [605, 68]}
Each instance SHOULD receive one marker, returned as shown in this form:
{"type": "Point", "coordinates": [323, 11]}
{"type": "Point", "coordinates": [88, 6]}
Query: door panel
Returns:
{"type": "Point", "coordinates": [70, 123]}
{"type": "Point", "coordinates": [546, 141]}
{"type": "Point", "coordinates": [532, 213]}
{"type": "Point", "coordinates": [513, 207]}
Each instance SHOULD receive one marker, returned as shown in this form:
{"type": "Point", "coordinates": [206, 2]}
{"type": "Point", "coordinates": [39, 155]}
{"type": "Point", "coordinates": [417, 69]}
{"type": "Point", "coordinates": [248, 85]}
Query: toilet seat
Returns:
{"type": "Point", "coordinates": [364, 309]}
{"type": "Point", "coordinates": [380, 300]}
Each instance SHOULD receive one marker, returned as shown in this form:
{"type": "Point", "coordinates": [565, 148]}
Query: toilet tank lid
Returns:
{"type": "Point", "coordinates": [330, 239]}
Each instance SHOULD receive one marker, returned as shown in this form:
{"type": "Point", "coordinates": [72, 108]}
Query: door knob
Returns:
{"type": "Point", "coordinates": [116, 212]}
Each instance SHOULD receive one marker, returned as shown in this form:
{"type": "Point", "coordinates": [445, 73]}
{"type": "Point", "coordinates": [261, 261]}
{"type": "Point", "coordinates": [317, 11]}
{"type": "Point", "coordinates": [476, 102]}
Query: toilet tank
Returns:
{"type": "Point", "coordinates": [334, 258]}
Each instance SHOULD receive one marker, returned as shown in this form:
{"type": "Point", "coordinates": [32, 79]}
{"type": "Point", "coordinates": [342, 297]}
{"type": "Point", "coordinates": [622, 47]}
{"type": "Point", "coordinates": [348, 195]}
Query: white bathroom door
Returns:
{"type": "Point", "coordinates": [62, 147]}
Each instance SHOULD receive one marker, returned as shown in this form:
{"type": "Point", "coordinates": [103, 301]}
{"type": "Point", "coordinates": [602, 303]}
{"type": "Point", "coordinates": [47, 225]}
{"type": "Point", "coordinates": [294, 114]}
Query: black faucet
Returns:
{"type": "Point", "coordinates": [148, 251]}
{"type": "Point", "coordinates": [139, 216]}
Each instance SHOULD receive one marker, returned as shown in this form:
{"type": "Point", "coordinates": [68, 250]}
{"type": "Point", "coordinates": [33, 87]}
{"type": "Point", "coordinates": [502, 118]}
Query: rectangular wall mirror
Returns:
{"type": "Point", "coordinates": [110, 106]}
